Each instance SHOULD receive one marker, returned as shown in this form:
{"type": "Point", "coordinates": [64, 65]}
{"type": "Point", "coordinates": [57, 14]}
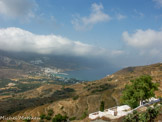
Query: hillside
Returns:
{"type": "Point", "coordinates": [125, 75]}
{"type": "Point", "coordinates": [86, 97]}
{"type": "Point", "coordinates": [66, 63]}
{"type": "Point", "coordinates": [14, 68]}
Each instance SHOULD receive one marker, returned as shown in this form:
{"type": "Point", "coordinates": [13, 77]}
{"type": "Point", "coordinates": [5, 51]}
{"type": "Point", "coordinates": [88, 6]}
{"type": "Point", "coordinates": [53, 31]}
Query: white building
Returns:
{"type": "Point", "coordinates": [11, 84]}
{"type": "Point", "coordinates": [116, 111]}
{"type": "Point", "coordinates": [152, 99]}
{"type": "Point", "coordinates": [94, 115]}
{"type": "Point", "coordinates": [119, 111]}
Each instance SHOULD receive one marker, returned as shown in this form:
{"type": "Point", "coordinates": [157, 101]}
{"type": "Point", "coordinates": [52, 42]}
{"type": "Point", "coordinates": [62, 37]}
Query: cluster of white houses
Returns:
{"type": "Point", "coordinates": [119, 111]}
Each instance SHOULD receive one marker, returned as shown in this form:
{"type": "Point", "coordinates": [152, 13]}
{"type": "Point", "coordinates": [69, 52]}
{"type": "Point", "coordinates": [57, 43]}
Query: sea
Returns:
{"type": "Point", "coordinates": [88, 74]}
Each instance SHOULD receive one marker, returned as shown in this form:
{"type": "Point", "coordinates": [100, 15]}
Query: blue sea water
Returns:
{"type": "Point", "coordinates": [90, 74]}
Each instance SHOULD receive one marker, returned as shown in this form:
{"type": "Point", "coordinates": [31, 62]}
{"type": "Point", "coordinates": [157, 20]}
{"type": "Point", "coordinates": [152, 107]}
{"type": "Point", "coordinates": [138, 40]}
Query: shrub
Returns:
{"type": "Point", "coordinates": [85, 114]}
{"type": "Point", "coordinates": [140, 89]}
{"type": "Point", "coordinates": [72, 118]}
{"type": "Point", "coordinates": [75, 97]}
{"type": "Point", "coordinates": [48, 117]}
{"type": "Point", "coordinates": [148, 116]}
{"type": "Point", "coordinates": [62, 107]}
{"type": "Point", "coordinates": [42, 116]}
{"type": "Point", "coordinates": [134, 117]}
{"type": "Point", "coordinates": [50, 112]}
{"type": "Point", "coordinates": [102, 106]}
{"type": "Point", "coordinates": [28, 119]}
{"type": "Point", "coordinates": [59, 118]}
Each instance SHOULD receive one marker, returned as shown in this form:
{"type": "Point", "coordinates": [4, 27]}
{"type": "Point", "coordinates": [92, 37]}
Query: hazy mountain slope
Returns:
{"type": "Point", "coordinates": [24, 60]}
{"type": "Point", "coordinates": [12, 68]}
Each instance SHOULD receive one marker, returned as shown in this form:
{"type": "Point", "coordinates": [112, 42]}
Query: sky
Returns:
{"type": "Point", "coordinates": [123, 32]}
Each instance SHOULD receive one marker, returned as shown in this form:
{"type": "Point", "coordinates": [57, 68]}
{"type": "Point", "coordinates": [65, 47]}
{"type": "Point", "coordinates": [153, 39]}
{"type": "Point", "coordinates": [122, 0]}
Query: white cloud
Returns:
{"type": "Point", "coordinates": [17, 8]}
{"type": "Point", "coordinates": [147, 41]}
{"type": "Point", "coordinates": [117, 52]}
{"type": "Point", "coordinates": [154, 52]}
{"type": "Point", "coordinates": [158, 3]}
{"type": "Point", "coordinates": [143, 38]}
{"type": "Point", "coordinates": [96, 16]}
{"type": "Point", "coordinates": [16, 39]}
{"type": "Point", "coordinates": [120, 16]}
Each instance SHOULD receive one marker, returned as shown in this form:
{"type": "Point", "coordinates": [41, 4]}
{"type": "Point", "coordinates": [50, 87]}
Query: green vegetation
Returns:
{"type": "Point", "coordinates": [134, 117]}
{"type": "Point", "coordinates": [19, 87]}
{"type": "Point", "coordinates": [60, 118]}
{"type": "Point", "coordinates": [76, 97]}
{"type": "Point", "coordinates": [4, 82]}
{"type": "Point", "coordinates": [26, 87]}
{"type": "Point", "coordinates": [148, 116]}
{"type": "Point", "coordinates": [85, 114]}
{"type": "Point", "coordinates": [64, 80]}
{"type": "Point", "coordinates": [28, 119]}
{"type": "Point", "coordinates": [50, 112]}
{"type": "Point", "coordinates": [72, 118]}
{"type": "Point", "coordinates": [65, 91]}
{"type": "Point", "coordinates": [140, 89]}
{"type": "Point", "coordinates": [100, 88]}
{"type": "Point", "coordinates": [9, 107]}
{"type": "Point", "coordinates": [48, 116]}
{"type": "Point", "coordinates": [32, 83]}
{"type": "Point", "coordinates": [42, 116]}
{"type": "Point", "coordinates": [102, 106]}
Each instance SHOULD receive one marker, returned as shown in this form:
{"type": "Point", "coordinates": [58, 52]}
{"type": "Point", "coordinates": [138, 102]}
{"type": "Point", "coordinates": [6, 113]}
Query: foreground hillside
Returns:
{"type": "Point", "coordinates": [84, 98]}
{"type": "Point", "coordinates": [122, 77]}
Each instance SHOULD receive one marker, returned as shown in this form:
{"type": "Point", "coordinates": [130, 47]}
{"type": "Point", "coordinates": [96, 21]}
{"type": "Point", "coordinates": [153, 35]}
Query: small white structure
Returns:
{"type": "Point", "coordinates": [150, 100]}
{"type": "Point", "coordinates": [123, 110]}
{"type": "Point", "coordinates": [11, 84]}
{"type": "Point", "coordinates": [94, 115]}
{"type": "Point", "coordinates": [119, 111]}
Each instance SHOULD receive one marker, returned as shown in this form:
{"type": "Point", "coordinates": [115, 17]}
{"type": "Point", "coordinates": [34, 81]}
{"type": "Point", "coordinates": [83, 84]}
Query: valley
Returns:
{"type": "Point", "coordinates": [70, 97]}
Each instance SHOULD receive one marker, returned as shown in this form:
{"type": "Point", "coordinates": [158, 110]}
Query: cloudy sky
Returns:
{"type": "Point", "coordinates": [125, 32]}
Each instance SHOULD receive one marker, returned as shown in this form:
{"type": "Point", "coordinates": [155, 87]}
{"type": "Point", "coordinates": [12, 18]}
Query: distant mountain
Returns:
{"type": "Point", "coordinates": [11, 67]}
{"type": "Point", "coordinates": [32, 61]}
{"type": "Point", "coordinates": [41, 60]}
